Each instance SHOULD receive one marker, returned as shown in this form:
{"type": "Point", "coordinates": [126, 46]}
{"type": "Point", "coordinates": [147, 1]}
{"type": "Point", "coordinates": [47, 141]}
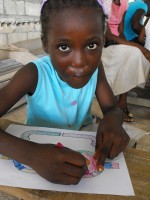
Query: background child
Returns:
{"type": "Point", "coordinates": [134, 16]}
{"type": "Point", "coordinates": [60, 88]}
{"type": "Point", "coordinates": [125, 66]}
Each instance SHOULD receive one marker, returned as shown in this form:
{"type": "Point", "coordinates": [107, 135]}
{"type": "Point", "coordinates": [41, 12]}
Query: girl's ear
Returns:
{"type": "Point", "coordinates": [44, 45]}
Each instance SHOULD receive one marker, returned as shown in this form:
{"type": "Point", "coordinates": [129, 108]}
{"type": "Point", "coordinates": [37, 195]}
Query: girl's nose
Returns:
{"type": "Point", "coordinates": [79, 59]}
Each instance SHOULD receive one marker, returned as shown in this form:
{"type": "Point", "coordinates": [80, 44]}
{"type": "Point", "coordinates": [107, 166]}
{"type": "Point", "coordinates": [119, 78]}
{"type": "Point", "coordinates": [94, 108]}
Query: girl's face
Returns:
{"type": "Point", "coordinates": [75, 41]}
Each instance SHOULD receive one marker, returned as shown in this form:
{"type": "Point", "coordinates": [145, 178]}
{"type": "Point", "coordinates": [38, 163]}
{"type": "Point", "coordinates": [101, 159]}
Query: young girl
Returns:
{"type": "Point", "coordinates": [60, 88]}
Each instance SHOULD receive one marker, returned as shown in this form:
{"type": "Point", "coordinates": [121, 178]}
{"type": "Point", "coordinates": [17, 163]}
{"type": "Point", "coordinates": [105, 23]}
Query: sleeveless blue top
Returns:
{"type": "Point", "coordinates": [55, 104]}
{"type": "Point", "coordinates": [133, 7]}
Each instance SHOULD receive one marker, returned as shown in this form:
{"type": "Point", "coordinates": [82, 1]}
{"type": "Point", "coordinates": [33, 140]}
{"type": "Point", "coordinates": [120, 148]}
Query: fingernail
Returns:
{"type": "Point", "coordinates": [100, 168]}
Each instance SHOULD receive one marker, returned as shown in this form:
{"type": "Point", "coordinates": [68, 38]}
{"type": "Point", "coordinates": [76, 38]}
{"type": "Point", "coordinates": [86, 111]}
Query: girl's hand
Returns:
{"type": "Point", "coordinates": [111, 139]}
{"type": "Point", "coordinates": [58, 165]}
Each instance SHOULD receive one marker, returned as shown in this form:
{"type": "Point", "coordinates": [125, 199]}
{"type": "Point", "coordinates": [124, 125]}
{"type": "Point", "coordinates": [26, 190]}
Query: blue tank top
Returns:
{"type": "Point", "coordinates": [57, 105]}
{"type": "Point", "coordinates": [133, 7]}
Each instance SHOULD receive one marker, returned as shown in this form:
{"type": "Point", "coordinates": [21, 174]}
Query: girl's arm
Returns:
{"type": "Point", "coordinates": [104, 94]}
{"type": "Point", "coordinates": [111, 138]}
{"type": "Point", "coordinates": [22, 83]}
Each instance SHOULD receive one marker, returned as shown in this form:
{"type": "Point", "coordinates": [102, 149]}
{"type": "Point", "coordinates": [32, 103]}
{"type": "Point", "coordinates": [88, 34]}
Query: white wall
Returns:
{"type": "Point", "coordinates": [19, 20]}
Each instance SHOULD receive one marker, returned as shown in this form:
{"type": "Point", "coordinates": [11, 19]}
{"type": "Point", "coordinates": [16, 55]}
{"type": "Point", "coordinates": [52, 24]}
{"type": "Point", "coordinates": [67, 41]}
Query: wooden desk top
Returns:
{"type": "Point", "coordinates": [138, 163]}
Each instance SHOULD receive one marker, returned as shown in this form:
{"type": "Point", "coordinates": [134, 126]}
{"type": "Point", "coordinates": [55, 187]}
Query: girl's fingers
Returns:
{"type": "Point", "coordinates": [74, 158]}
{"type": "Point", "coordinates": [118, 148]}
{"type": "Point", "coordinates": [104, 152]}
{"type": "Point", "coordinates": [66, 180]}
{"type": "Point", "coordinates": [72, 170]}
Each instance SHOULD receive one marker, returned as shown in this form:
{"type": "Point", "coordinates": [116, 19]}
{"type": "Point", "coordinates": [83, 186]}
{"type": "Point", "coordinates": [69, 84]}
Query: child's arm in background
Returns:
{"type": "Point", "coordinates": [141, 37]}
{"type": "Point", "coordinates": [52, 163]}
{"type": "Point", "coordinates": [111, 137]}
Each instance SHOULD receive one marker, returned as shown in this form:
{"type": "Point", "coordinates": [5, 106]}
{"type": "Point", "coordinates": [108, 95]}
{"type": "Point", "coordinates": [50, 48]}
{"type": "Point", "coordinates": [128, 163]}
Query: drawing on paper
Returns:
{"type": "Point", "coordinates": [91, 162]}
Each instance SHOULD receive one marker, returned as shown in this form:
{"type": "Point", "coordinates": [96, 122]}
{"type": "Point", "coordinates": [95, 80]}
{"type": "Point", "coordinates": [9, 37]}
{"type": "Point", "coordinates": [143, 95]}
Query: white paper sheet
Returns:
{"type": "Point", "coordinates": [114, 181]}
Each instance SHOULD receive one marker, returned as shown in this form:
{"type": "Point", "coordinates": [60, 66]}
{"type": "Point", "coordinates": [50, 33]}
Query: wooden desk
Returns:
{"type": "Point", "coordinates": [138, 163]}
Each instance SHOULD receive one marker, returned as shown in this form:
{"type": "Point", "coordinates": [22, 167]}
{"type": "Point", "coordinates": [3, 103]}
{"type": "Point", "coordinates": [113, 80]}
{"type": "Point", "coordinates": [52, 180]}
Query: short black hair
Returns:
{"type": "Point", "coordinates": [56, 5]}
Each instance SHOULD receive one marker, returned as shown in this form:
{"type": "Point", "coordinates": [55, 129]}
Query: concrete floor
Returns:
{"type": "Point", "coordinates": [141, 115]}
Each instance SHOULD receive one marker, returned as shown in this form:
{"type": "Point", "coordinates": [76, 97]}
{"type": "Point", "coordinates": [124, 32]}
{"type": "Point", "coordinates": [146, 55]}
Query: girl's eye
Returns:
{"type": "Point", "coordinates": [64, 48]}
{"type": "Point", "coordinates": [92, 46]}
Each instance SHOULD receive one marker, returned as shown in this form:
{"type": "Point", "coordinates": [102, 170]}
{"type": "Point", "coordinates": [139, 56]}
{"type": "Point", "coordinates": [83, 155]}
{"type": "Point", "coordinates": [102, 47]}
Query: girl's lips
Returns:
{"type": "Point", "coordinates": [78, 76]}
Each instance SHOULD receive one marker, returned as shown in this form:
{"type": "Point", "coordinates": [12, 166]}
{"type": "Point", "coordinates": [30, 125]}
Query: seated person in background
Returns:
{"type": "Point", "coordinates": [126, 66]}
{"type": "Point", "coordinates": [144, 36]}
{"type": "Point", "coordinates": [133, 21]}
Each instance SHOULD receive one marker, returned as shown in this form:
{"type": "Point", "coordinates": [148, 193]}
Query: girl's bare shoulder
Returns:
{"type": "Point", "coordinates": [27, 76]}
{"type": "Point", "coordinates": [24, 82]}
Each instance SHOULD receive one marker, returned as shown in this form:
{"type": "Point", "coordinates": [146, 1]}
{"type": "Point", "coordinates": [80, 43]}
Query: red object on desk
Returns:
{"type": "Point", "coordinates": [59, 145]}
